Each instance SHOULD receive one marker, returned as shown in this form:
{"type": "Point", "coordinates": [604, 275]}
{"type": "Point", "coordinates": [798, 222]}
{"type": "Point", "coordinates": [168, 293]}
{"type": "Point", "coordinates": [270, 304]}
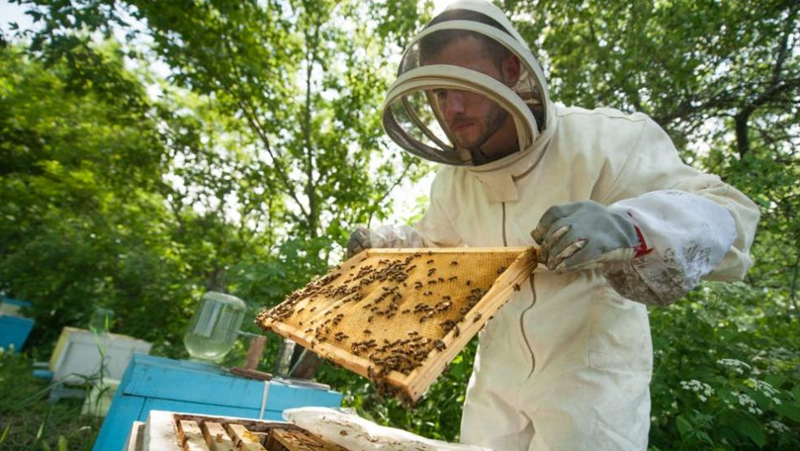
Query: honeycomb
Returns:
{"type": "Point", "coordinates": [386, 313]}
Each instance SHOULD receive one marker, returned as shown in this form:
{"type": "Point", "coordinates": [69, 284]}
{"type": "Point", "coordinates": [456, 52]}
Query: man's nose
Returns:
{"type": "Point", "coordinates": [453, 104]}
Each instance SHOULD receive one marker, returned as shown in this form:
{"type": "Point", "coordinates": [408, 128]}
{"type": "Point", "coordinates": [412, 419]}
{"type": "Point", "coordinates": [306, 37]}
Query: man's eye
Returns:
{"type": "Point", "coordinates": [440, 94]}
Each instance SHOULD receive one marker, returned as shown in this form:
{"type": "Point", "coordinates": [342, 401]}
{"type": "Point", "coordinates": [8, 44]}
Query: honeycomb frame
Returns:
{"type": "Point", "coordinates": [399, 316]}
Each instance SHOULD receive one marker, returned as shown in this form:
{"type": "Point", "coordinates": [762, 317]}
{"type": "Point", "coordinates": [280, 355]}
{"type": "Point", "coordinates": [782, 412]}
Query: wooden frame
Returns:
{"type": "Point", "coordinates": [288, 318]}
{"type": "Point", "coordinates": [171, 431]}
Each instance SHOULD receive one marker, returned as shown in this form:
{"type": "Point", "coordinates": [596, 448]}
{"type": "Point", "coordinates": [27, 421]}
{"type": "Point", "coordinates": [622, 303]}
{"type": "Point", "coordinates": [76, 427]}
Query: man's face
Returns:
{"type": "Point", "coordinates": [474, 120]}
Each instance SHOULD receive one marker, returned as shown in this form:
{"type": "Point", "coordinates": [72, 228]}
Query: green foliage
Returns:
{"type": "Point", "coordinates": [28, 422]}
{"type": "Point", "coordinates": [721, 382]}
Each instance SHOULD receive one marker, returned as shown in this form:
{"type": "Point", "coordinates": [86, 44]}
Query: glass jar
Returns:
{"type": "Point", "coordinates": [212, 330]}
{"type": "Point", "coordinates": [101, 320]}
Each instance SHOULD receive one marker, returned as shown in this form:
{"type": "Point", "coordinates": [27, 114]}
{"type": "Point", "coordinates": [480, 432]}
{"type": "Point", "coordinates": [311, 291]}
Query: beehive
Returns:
{"type": "Point", "coordinates": [169, 431]}
{"type": "Point", "coordinates": [398, 316]}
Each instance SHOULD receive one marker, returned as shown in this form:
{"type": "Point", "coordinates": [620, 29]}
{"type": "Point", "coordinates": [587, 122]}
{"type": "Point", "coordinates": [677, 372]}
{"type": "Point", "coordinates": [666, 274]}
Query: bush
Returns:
{"type": "Point", "coordinates": [725, 376]}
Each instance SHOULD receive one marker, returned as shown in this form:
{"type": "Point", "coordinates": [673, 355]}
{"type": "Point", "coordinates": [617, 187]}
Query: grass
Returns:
{"type": "Point", "coordinates": [28, 421]}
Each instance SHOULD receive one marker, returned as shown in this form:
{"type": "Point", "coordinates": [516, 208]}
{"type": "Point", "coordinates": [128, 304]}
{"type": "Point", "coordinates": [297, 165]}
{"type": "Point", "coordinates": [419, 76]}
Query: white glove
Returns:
{"type": "Point", "coordinates": [387, 236]}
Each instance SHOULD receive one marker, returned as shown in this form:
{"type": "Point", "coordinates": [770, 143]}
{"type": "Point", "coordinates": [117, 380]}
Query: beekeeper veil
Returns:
{"type": "Point", "coordinates": [436, 69]}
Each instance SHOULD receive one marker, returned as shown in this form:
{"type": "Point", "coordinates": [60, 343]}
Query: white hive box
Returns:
{"type": "Point", "coordinates": [81, 354]}
{"type": "Point", "coordinates": [100, 397]}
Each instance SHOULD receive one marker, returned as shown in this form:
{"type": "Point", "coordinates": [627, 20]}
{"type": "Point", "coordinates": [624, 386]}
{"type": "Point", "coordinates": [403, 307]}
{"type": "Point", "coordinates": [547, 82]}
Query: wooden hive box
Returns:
{"type": "Point", "coordinates": [170, 431]}
{"type": "Point", "coordinates": [399, 316]}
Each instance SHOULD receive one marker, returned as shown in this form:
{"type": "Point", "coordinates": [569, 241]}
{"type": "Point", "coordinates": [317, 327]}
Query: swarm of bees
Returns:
{"type": "Point", "coordinates": [426, 290]}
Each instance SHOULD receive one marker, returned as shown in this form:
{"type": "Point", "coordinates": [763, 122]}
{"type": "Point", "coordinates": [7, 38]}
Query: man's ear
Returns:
{"type": "Point", "coordinates": [511, 69]}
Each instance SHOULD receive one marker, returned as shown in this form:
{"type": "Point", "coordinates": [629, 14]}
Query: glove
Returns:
{"type": "Point", "coordinates": [359, 240]}
{"type": "Point", "coordinates": [581, 235]}
{"type": "Point", "coordinates": [386, 236]}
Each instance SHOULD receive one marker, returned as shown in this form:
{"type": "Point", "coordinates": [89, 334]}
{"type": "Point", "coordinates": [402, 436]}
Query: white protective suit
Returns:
{"type": "Point", "coordinates": [566, 364]}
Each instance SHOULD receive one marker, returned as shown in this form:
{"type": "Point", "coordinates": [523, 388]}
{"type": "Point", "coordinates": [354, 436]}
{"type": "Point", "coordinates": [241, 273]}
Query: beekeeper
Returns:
{"type": "Point", "coordinates": [621, 221]}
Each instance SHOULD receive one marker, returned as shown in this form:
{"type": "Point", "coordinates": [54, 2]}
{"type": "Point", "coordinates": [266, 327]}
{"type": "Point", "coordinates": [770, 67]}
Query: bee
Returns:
{"type": "Point", "coordinates": [516, 287]}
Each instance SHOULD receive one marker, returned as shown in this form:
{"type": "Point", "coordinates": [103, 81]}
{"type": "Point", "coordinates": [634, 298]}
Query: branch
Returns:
{"type": "Point", "coordinates": [311, 49]}
{"type": "Point", "coordinates": [776, 88]}
{"type": "Point", "coordinates": [784, 44]}
{"type": "Point", "coordinates": [250, 112]}
{"type": "Point", "coordinates": [793, 293]}
{"type": "Point", "coordinates": [390, 189]}
{"type": "Point", "coordinates": [743, 116]}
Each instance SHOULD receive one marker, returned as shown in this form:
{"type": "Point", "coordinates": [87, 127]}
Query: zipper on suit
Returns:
{"type": "Point", "coordinates": [533, 302]}
{"type": "Point", "coordinates": [522, 326]}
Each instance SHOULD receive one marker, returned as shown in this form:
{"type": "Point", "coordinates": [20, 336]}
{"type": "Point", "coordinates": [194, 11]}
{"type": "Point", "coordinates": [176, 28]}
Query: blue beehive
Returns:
{"type": "Point", "coordinates": [14, 329]}
{"type": "Point", "coordinates": [156, 383]}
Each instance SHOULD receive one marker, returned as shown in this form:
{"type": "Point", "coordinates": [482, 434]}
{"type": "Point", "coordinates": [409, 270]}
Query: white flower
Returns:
{"type": "Point", "coordinates": [765, 388]}
{"type": "Point", "coordinates": [746, 401]}
{"type": "Point", "coordinates": [703, 390]}
{"type": "Point", "coordinates": [736, 365]}
{"type": "Point", "coordinates": [777, 426]}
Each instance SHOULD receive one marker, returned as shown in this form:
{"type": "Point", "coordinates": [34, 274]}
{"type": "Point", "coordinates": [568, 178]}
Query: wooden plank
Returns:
{"type": "Point", "coordinates": [136, 439]}
{"type": "Point", "coordinates": [216, 437]}
{"type": "Point", "coordinates": [251, 425]}
{"type": "Point", "coordinates": [272, 443]}
{"type": "Point", "coordinates": [194, 382]}
{"type": "Point", "coordinates": [190, 436]}
{"type": "Point", "coordinates": [124, 411]}
{"type": "Point", "coordinates": [500, 293]}
{"type": "Point", "coordinates": [252, 374]}
{"type": "Point", "coordinates": [438, 299]}
{"type": "Point", "coordinates": [246, 440]}
{"type": "Point", "coordinates": [443, 250]}
{"type": "Point", "coordinates": [301, 440]}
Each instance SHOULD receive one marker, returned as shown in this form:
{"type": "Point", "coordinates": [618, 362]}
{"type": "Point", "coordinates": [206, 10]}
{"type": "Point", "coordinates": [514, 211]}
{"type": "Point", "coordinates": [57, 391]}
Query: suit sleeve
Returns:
{"type": "Point", "coordinates": [433, 230]}
{"type": "Point", "coordinates": [692, 225]}
{"type": "Point", "coordinates": [435, 227]}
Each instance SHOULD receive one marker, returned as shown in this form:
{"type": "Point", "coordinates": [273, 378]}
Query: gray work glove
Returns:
{"type": "Point", "coordinates": [581, 235]}
{"type": "Point", "coordinates": [359, 240]}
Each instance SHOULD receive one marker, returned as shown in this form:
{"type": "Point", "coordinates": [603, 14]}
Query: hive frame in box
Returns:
{"type": "Point", "coordinates": [173, 431]}
{"type": "Point", "coordinates": [412, 386]}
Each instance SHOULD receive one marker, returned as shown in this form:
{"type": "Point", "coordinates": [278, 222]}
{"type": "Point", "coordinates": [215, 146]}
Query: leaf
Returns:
{"type": "Point", "coordinates": [684, 426]}
{"type": "Point", "coordinates": [750, 428]}
{"type": "Point", "coordinates": [789, 411]}
{"type": "Point", "coordinates": [5, 433]}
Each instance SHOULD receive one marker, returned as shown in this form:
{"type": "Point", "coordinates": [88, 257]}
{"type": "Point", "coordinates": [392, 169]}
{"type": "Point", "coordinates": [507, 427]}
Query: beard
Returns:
{"type": "Point", "coordinates": [494, 120]}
